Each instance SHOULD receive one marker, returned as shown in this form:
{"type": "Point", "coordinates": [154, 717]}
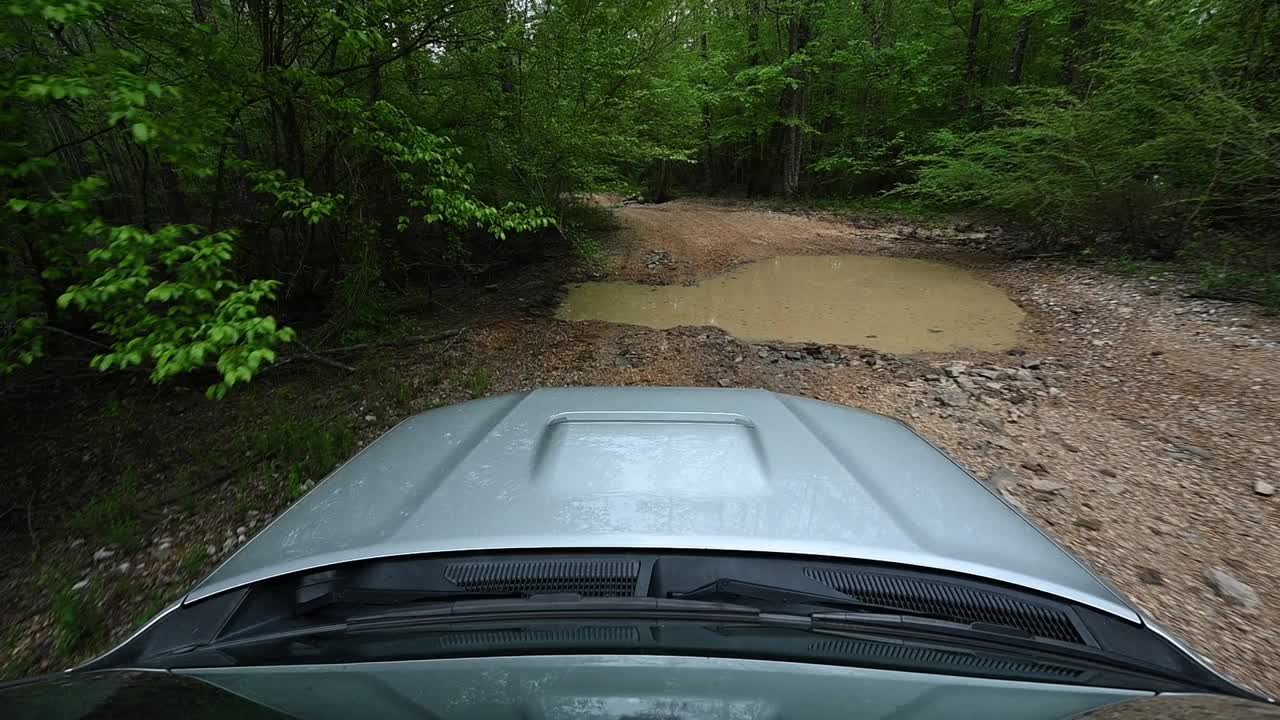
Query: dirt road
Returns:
{"type": "Point", "coordinates": [1137, 427]}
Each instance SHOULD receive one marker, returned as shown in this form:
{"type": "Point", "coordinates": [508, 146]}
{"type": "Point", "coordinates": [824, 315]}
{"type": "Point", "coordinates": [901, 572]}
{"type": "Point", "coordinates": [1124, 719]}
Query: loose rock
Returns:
{"type": "Point", "coordinates": [953, 397]}
{"type": "Point", "coordinates": [1106, 472]}
{"type": "Point", "coordinates": [724, 382]}
{"type": "Point", "coordinates": [994, 424]}
{"type": "Point", "coordinates": [1264, 488]}
{"type": "Point", "coordinates": [103, 554]}
{"type": "Point", "coordinates": [1150, 576]}
{"type": "Point", "coordinates": [1046, 486]}
{"type": "Point", "coordinates": [1088, 524]}
{"type": "Point", "coordinates": [1230, 589]}
{"type": "Point", "coordinates": [1002, 479]}
{"type": "Point", "coordinates": [1035, 466]}
{"type": "Point", "coordinates": [1194, 450]}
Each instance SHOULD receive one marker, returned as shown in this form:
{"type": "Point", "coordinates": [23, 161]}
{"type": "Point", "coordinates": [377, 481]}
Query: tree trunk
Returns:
{"type": "Point", "coordinates": [756, 170]}
{"type": "Point", "coordinates": [707, 154]}
{"type": "Point", "coordinates": [798, 32]}
{"type": "Point", "coordinates": [878, 22]}
{"type": "Point", "coordinates": [971, 45]}
{"type": "Point", "coordinates": [1075, 42]}
{"type": "Point", "coordinates": [1019, 60]}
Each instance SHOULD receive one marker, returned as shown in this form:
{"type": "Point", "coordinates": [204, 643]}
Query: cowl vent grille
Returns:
{"type": "Point", "coordinates": [950, 602]}
{"type": "Point", "coordinates": [934, 658]}
{"type": "Point", "coordinates": [589, 578]}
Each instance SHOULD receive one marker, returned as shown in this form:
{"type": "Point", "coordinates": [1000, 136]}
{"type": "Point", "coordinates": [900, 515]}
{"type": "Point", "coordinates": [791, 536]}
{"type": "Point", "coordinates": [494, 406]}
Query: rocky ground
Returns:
{"type": "Point", "coordinates": [1134, 425]}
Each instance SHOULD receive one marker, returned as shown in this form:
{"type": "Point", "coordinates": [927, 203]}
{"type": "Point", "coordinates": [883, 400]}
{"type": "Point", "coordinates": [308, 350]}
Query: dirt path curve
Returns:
{"type": "Point", "coordinates": [1139, 428]}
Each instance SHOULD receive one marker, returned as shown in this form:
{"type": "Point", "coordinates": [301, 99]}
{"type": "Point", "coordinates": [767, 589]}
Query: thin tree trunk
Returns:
{"type": "Point", "coordinates": [1075, 42]}
{"type": "Point", "coordinates": [875, 26]}
{"type": "Point", "coordinates": [707, 155]}
{"type": "Point", "coordinates": [1019, 60]}
{"type": "Point", "coordinates": [794, 106]}
{"type": "Point", "coordinates": [757, 182]}
{"type": "Point", "coordinates": [971, 45]}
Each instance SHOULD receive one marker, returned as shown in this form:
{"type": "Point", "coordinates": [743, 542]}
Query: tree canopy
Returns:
{"type": "Point", "coordinates": [179, 176]}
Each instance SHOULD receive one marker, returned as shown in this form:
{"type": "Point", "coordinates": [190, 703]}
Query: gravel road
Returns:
{"type": "Point", "coordinates": [1136, 426]}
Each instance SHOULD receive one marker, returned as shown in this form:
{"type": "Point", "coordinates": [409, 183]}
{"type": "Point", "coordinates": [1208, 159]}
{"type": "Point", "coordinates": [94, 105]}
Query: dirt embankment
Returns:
{"type": "Point", "coordinates": [1137, 427]}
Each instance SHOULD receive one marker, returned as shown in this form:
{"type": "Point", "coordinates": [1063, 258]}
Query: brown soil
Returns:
{"type": "Point", "coordinates": [1163, 414]}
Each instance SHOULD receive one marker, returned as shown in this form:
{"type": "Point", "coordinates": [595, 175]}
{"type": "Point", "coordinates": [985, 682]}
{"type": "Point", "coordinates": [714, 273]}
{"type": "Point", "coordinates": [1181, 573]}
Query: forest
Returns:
{"type": "Point", "coordinates": [184, 179]}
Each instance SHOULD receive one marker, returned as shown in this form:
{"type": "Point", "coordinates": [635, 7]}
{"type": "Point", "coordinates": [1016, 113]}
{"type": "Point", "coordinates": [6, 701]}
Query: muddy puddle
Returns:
{"type": "Point", "coordinates": [897, 305]}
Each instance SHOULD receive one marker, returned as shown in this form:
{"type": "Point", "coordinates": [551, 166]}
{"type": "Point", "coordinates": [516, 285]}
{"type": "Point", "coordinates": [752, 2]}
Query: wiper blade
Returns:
{"type": "Point", "coordinates": [558, 606]}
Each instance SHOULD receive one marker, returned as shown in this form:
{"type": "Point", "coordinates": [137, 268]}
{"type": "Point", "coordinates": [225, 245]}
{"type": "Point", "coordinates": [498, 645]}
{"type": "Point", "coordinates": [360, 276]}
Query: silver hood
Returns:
{"type": "Point", "coordinates": [661, 468]}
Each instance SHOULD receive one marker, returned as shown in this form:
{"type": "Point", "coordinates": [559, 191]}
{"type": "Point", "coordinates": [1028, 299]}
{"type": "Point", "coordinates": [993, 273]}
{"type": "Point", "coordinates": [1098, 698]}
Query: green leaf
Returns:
{"type": "Point", "coordinates": [141, 132]}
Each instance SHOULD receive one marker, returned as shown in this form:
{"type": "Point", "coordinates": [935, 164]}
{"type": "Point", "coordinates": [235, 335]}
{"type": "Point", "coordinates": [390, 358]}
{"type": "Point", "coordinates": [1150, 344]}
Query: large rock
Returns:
{"type": "Point", "coordinates": [1230, 589]}
{"type": "Point", "coordinates": [953, 397]}
{"type": "Point", "coordinates": [1264, 488]}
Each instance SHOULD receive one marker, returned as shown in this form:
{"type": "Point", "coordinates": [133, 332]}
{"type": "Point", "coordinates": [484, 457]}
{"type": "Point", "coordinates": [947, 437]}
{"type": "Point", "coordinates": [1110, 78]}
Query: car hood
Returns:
{"type": "Point", "coordinates": [660, 468]}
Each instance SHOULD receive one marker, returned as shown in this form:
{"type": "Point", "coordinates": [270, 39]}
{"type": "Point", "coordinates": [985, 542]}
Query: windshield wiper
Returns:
{"type": "Point", "coordinates": [542, 607]}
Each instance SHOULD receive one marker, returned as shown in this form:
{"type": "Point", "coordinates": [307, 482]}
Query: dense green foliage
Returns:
{"type": "Point", "coordinates": [176, 174]}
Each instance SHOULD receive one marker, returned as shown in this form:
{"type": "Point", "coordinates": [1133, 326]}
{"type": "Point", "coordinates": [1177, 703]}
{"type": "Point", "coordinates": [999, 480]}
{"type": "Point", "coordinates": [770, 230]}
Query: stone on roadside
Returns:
{"type": "Point", "coordinates": [1092, 524]}
{"type": "Point", "coordinates": [987, 373]}
{"type": "Point", "coordinates": [1106, 472]}
{"type": "Point", "coordinates": [1002, 479]}
{"type": "Point", "coordinates": [1264, 488]}
{"type": "Point", "coordinates": [1035, 466]}
{"type": "Point", "coordinates": [1230, 589]}
{"type": "Point", "coordinates": [1015, 502]}
{"type": "Point", "coordinates": [953, 397]}
{"type": "Point", "coordinates": [1031, 363]}
{"type": "Point", "coordinates": [1150, 576]}
{"type": "Point", "coordinates": [1070, 446]}
{"type": "Point", "coordinates": [954, 370]}
{"type": "Point", "coordinates": [103, 554]}
{"type": "Point", "coordinates": [1044, 485]}
{"type": "Point", "coordinates": [994, 424]}
{"type": "Point", "coordinates": [1193, 450]}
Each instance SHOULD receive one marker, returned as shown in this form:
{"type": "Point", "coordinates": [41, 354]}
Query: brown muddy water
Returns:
{"type": "Point", "coordinates": [897, 305]}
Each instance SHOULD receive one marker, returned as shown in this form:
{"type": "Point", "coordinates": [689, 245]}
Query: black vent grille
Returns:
{"type": "Point", "coordinates": [950, 602]}
{"type": "Point", "coordinates": [933, 658]}
{"type": "Point", "coordinates": [589, 578]}
{"type": "Point", "coordinates": [628, 635]}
